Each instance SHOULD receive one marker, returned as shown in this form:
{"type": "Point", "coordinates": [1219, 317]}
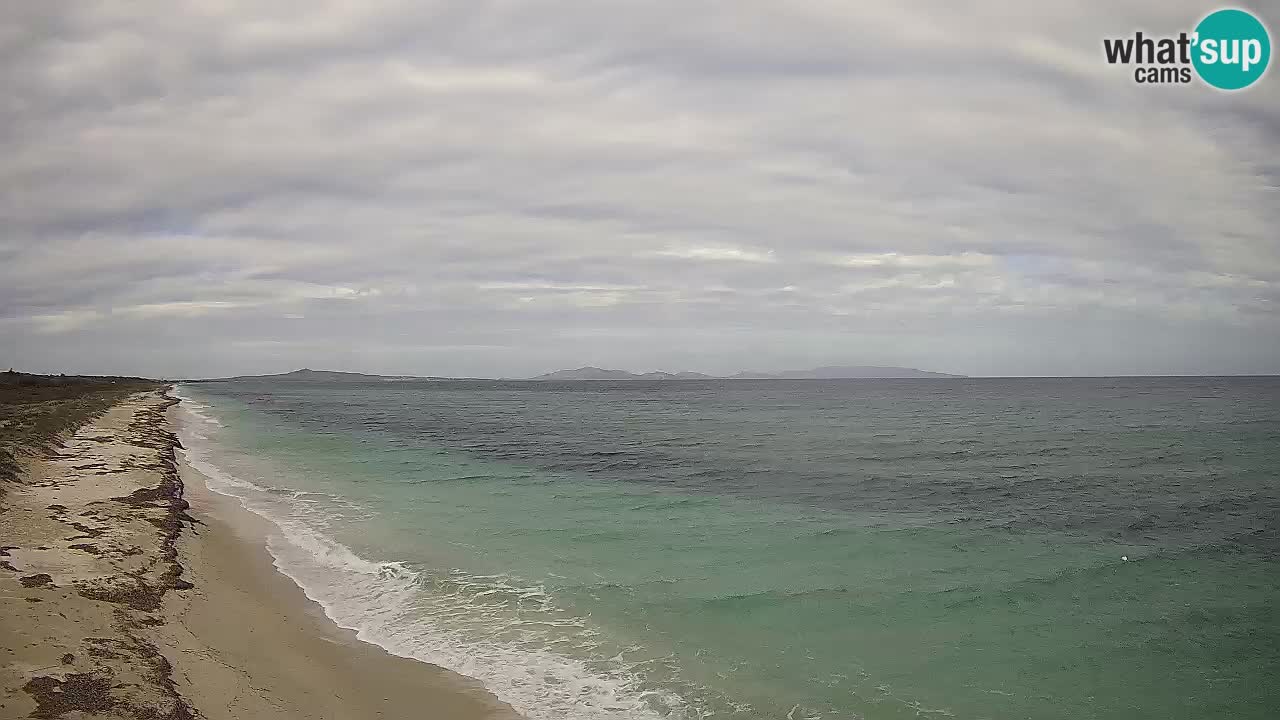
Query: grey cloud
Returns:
{"type": "Point", "coordinates": [503, 188]}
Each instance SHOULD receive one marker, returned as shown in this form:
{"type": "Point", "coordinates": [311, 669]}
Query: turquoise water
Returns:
{"type": "Point", "coordinates": [864, 549]}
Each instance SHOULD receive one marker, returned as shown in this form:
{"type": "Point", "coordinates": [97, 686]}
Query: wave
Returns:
{"type": "Point", "coordinates": [506, 633]}
{"type": "Point", "coordinates": [197, 411]}
{"type": "Point", "coordinates": [770, 598]}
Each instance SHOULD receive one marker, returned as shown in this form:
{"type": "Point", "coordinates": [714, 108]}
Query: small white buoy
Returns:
{"type": "Point", "coordinates": [1124, 558]}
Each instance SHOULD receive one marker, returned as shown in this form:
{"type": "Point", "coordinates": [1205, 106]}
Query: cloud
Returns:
{"type": "Point", "coordinates": [230, 188]}
{"type": "Point", "coordinates": [893, 259]}
{"type": "Point", "coordinates": [714, 254]}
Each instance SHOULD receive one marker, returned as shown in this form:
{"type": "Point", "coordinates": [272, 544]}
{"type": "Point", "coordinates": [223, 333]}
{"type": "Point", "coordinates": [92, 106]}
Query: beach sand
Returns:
{"type": "Point", "coordinates": [119, 601]}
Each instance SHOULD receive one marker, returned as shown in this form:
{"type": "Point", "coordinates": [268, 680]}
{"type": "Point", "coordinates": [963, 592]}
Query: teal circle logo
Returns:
{"type": "Point", "coordinates": [1232, 49]}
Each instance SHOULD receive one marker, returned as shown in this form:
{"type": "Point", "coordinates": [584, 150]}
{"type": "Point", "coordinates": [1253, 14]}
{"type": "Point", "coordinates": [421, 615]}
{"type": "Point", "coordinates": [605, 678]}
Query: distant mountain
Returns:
{"type": "Point", "coordinates": [595, 373]}
{"type": "Point", "coordinates": [829, 372]}
{"type": "Point", "coordinates": [309, 375]}
{"type": "Point", "coordinates": [589, 373]}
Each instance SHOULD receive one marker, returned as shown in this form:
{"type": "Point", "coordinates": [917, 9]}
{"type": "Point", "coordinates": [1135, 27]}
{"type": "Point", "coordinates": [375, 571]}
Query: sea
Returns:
{"type": "Point", "coordinates": [1050, 549]}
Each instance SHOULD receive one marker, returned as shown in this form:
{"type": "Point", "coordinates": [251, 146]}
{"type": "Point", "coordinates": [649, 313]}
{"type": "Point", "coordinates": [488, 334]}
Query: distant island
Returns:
{"type": "Point", "coordinates": [309, 375]}
{"type": "Point", "coordinates": [595, 373]}
{"type": "Point", "coordinates": [829, 372]}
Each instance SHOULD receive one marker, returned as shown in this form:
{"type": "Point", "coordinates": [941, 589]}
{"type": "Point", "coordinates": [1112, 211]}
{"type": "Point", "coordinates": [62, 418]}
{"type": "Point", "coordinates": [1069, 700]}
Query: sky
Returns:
{"type": "Point", "coordinates": [495, 188]}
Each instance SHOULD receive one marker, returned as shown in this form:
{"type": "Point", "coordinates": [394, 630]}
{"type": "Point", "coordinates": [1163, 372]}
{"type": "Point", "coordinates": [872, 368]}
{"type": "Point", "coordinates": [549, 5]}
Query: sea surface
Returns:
{"type": "Point", "coordinates": [971, 548]}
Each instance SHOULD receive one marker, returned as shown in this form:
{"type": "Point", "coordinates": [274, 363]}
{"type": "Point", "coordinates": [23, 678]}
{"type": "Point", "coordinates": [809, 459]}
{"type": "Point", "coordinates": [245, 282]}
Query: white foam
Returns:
{"type": "Point", "coordinates": [492, 628]}
{"type": "Point", "coordinates": [204, 417]}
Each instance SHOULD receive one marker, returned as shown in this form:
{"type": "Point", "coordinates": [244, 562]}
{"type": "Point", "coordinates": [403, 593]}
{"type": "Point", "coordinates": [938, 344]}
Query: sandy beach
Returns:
{"type": "Point", "coordinates": [128, 590]}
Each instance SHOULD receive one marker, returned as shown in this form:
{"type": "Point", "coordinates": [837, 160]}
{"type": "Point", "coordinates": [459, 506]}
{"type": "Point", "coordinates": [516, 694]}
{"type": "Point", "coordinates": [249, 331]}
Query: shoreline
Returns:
{"type": "Point", "coordinates": [322, 667]}
{"type": "Point", "coordinates": [128, 589]}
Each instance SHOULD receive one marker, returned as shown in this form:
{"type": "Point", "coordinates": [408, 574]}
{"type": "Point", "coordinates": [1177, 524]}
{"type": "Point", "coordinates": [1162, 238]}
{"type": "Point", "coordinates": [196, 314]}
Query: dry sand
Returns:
{"type": "Point", "coordinates": [116, 601]}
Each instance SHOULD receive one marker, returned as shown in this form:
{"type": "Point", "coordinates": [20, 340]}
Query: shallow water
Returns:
{"type": "Point", "coordinates": [767, 549]}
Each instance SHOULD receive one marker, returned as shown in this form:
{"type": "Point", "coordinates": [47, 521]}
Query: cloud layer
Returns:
{"type": "Point", "coordinates": [502, 188]}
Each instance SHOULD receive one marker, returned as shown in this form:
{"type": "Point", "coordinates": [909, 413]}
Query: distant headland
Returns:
{"type": "Point", "coordinates": [828, 372]}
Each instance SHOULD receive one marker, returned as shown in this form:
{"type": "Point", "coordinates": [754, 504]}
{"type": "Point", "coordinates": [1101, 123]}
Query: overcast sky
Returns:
{"type": "Point", "coordinates": [506, 188]}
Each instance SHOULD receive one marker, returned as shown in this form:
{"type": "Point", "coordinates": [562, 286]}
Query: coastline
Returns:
{"type": "Point", "coordinates": [128, 589]}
